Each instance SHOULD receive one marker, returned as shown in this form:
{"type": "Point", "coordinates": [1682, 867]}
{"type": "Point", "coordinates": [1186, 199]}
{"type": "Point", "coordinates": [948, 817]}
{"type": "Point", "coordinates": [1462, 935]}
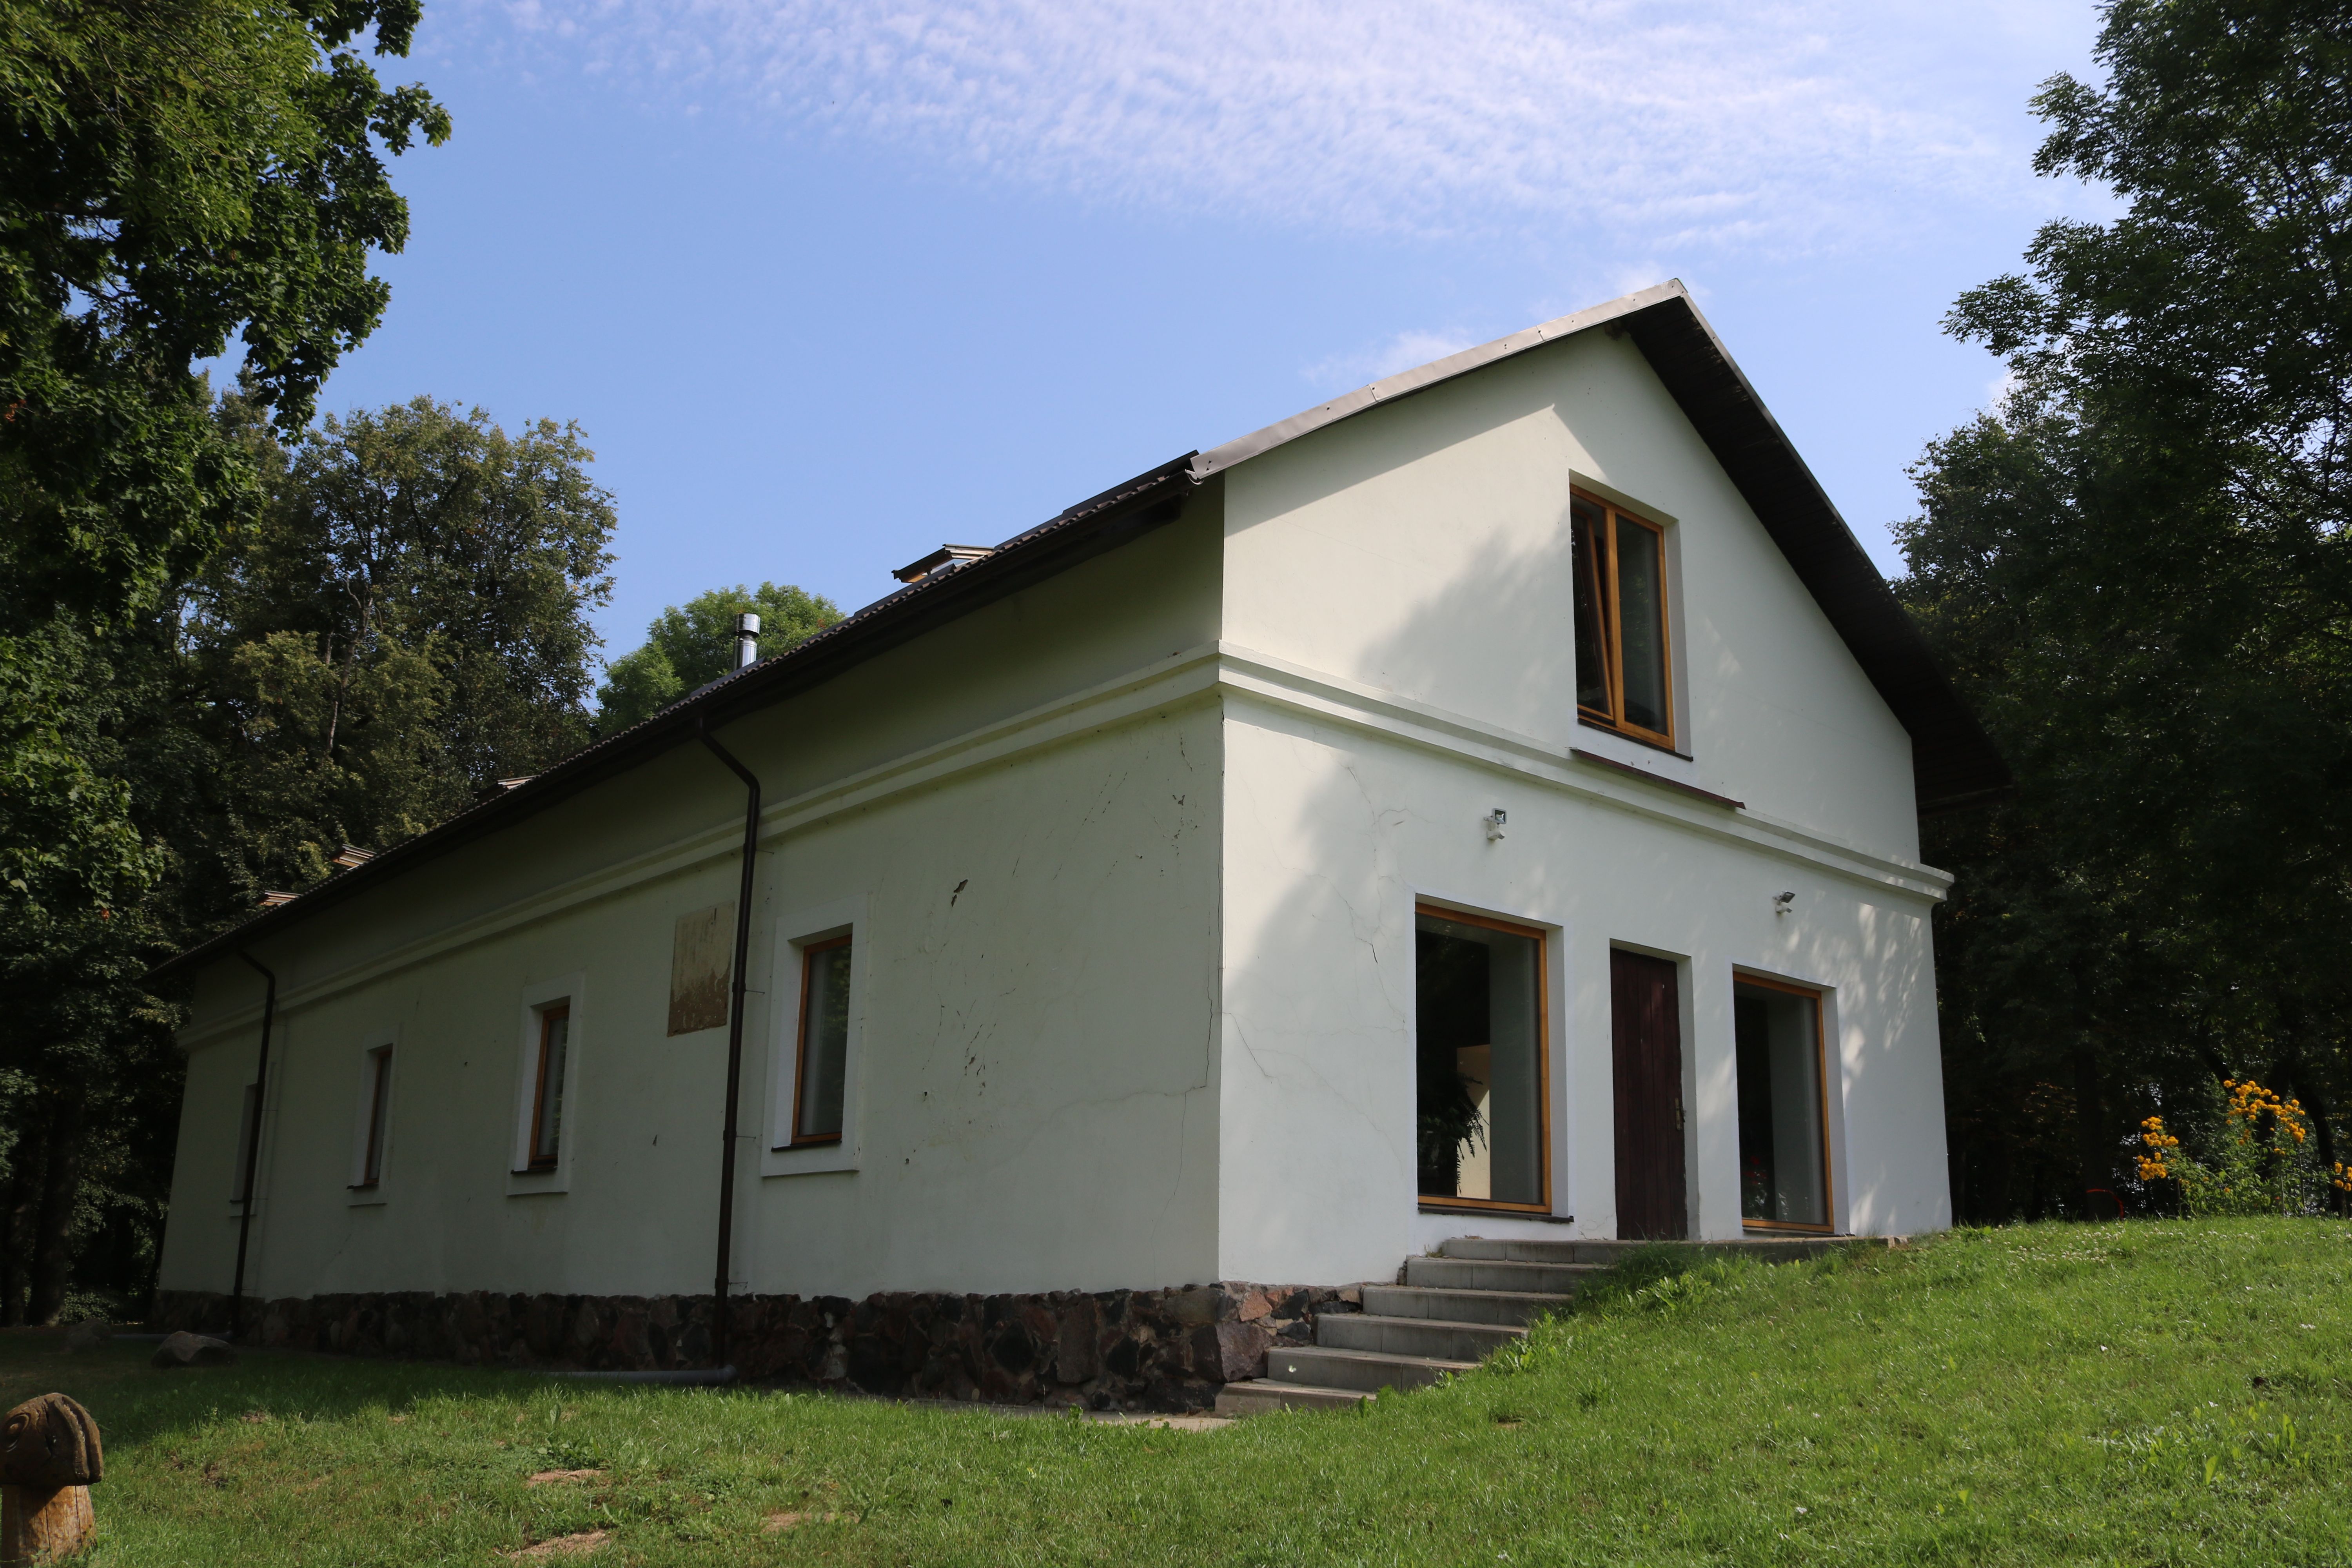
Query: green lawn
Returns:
{"type": "Point", "coordinates": [2159, 1393]}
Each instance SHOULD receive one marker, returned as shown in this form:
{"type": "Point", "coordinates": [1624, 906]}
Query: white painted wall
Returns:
{"type": "Point", "coordinates": [1130, 861]}
{"type": "Point", "coordinates": [1026, 842]}
{"type": "Point", "coordinates": [1399, 584]}
{"type": "Point", "coordinates": [1333, 831]}
{"type": "Point", "coordinates": [1422, 548]}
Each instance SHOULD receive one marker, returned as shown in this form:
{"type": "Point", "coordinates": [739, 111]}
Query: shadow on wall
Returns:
{"type": "Point", "coordinates": [1906, 992]}
{"type": "Point", "coordinates": [1473, 621]}
{"type": "Point", "coordinates": [1319, 998]}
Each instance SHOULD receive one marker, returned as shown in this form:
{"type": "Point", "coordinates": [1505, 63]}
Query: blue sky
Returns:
{"type": "Point", "coordinates": [828, 283]}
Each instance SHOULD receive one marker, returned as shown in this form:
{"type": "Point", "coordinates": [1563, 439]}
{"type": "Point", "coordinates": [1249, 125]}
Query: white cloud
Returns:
{"type": "Point", "coordinates": [1798, 124]}
{"type": "Point", "coordinates": [1406, 350]}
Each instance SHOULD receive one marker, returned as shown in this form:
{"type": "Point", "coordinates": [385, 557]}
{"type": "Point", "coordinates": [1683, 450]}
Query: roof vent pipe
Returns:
{"type": "Point", "coordinates": [747, 640]}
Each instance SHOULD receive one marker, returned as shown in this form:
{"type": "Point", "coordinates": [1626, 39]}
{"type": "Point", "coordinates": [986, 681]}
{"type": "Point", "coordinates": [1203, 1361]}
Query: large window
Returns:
{"type": "Point", "coordinates": [1784, 1162]}
{"type": "Point", "coordinates": [1624, 679]}
{"type": "Point", "coordinates": [1480, 1072]}
{"type": "Point", "coordinates": [547, 1092]}
{"type": "Point", "coordinates": [821, 1075]}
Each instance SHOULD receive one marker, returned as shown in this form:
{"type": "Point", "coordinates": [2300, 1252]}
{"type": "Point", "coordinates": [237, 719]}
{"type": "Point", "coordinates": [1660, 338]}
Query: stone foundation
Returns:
{"type": "Point", "coordinates": [1110, 1350]}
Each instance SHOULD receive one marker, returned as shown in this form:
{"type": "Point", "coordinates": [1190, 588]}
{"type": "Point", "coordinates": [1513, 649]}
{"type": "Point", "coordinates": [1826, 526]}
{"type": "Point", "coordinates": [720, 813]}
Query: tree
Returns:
{"type": "Point", "coordinates": [405, 622]}
{"type": "Point", "coordinates": [406, 625]}
{"type": "Point", "coordinates": [171, 176]}
{"type": "Point", "coordinates": [689, 645]}
{"type": "Point", "coordinates": [2140, 569]}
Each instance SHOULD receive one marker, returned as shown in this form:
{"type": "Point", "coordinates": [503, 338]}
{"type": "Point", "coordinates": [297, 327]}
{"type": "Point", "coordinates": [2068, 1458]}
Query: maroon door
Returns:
{"type": "Point", "coordinates": [1647, 1031]}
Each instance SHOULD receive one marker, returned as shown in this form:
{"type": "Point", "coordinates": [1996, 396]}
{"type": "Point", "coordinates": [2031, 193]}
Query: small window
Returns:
{"type": "Point", "coordinates": [378, 1093]}
{"type": "Point", "coordinates": [547, 1095]}
{"type": "Point", "coordinates": [1624, 675]}
{"type": "Point", "coordinates": [1784, 1164]}
{"type": "Point", "coordinates": [824, 1058]}
{"type": "Point", "coordinates": [248, 1127]}
{"type": "Point", "coordinates": [1480, 1067]}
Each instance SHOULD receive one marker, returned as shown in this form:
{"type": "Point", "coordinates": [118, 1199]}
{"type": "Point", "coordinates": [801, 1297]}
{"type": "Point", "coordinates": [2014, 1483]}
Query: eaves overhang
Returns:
{"type": "Point", "coordinates": [1086, 530]}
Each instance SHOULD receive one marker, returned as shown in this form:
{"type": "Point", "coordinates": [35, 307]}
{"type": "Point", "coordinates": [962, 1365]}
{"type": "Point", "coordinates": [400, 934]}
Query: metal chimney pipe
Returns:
{"type": "Point", "coordinates": [747, 639]}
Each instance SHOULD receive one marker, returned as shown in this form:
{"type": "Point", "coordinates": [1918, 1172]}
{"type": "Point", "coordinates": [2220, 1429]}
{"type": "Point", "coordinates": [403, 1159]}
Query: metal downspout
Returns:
{"type": "Point", "coordinates": [253, 1146]}
{"type": "Point", "coordinates": [734, 1041]}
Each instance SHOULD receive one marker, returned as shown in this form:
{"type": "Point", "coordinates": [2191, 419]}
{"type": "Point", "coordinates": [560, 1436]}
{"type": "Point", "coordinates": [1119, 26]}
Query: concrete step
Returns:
{"type": "Point", "coordinates": [1518, 1308]}
{"type": "Point", "coordinates": [1255, 1396]}
{"type": "Point", "coordinates": [1600, 1251]}
{"type": "Point", "coordinates": [1559, 1279]}
{"type": "Point", "coordinates": [1432, 1336]}
{"type": "Point", "coordinates": [1367, 1371]}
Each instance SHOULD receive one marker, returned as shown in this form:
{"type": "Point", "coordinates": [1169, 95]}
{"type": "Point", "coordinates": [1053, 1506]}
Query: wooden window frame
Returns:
{"type": "Point", "coordinates": [797, 1140]}
{"type": "Point", "coordinates": [1613, 633]}
{"type": "Point", "coordinates": [1429, 1205]}
{"type": "Point", "coordinates": [1820, 1000]}
{"type": "Point", "coordinates": [379, 1119]}
{"type": "Point", "coordinates": [534, 1163]}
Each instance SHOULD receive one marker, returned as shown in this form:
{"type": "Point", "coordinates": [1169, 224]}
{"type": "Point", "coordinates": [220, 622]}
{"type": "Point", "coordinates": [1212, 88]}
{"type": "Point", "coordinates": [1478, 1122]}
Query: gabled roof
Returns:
{"type": "Point", "coordinates": [1954, 762]}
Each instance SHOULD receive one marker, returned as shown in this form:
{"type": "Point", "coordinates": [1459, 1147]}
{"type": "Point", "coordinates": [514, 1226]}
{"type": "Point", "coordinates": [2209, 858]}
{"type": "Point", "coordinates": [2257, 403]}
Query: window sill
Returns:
{"type": "Point", "coordinates": [370, 1196]}
{"type": "Point", "coordinates": [532, 1184]}
{"type": "Point", "coordinates": [808, 1159]}
{"type": "Point", "coordinates": [1499, 1211]}
{"type": "Point", "coordinates": [1633, 735]}
{"type": "Point", "coordinates": [1782, 1228]}
{"type": "Point", "coordinates": [1647, 776]}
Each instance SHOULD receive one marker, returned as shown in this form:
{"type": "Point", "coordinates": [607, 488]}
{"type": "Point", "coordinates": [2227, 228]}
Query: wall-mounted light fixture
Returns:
{"type": "Point", "coordinates": [1494, 824]}
{"type": "Point", "coordinates": [1781, 902]}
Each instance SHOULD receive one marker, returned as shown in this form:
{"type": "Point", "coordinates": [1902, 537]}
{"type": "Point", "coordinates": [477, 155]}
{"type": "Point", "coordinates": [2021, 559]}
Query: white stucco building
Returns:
{"type": "Point", "coordinates": [1485, 802]}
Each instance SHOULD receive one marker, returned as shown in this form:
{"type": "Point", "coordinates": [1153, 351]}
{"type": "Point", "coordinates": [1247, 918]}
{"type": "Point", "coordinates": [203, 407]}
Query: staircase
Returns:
{"type": "Point", "coordinates": [1452, 1310]}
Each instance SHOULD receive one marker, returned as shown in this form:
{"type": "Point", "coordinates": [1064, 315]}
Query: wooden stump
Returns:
{"type": "Point", "coordinates": [49, 1457]}
{"type": "Point", "coordinates": [43, 1526]}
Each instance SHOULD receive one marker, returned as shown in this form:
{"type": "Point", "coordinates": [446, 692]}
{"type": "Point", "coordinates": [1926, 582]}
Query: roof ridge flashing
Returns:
{"type": "Point", "coordinates": [1405, 383]}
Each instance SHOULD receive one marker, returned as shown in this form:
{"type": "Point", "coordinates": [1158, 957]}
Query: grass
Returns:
{"type": "Point", "coordinates": [2154, 1393]}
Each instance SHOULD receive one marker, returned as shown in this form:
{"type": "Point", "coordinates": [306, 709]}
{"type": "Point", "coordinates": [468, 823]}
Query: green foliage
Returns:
{"type": "Point", "coordinates": [172, 176]}
{"type": "Point", "coordinates": [689, 645]}
{"type": "Point", "coordinates": [89, 1077]}
{"type": "Point", "coordinates": [403, 622]}
{"type": "Point", "coordinates": [2137, 1394]}
{"type": "Point", "coordinates": [1663, 1276]}
{"type": "Point", "coordinates": [406, 623]}
{"type": "Point", "coordinates": [2246, 1151]}
{"type": "Point", "coordinates": [2141, 571]}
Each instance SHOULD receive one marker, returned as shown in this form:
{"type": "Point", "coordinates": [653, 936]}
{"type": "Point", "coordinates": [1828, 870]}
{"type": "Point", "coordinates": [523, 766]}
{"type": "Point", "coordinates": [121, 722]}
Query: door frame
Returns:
{"type": "Point", "coordinates": [1685, 1003]}
{"type": "Point", "coordinates": [1819, 997]}
{"type": "Point", "coordinates": [1544, 937]}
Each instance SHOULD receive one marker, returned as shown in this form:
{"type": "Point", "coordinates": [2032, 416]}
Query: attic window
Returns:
{"type": "Point", "coordinates": [1624, 675]}
{"type": "Point", "coordinates": [945, 558]}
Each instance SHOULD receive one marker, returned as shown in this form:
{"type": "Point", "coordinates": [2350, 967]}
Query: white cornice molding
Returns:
{"type": "Point", "coordinates": [1431, 728]}
{"type": "Point", "coordinates": [1209, 672]}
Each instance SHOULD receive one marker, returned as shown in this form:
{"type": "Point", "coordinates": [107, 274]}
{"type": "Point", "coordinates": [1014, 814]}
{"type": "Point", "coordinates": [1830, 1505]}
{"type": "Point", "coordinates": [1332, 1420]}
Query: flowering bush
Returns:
{"type": "Point", "coordinates": [2260, 1158]}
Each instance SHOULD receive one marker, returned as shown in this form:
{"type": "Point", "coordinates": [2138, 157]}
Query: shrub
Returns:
{"type": "Point", "coordinates": [2258, 1157]}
